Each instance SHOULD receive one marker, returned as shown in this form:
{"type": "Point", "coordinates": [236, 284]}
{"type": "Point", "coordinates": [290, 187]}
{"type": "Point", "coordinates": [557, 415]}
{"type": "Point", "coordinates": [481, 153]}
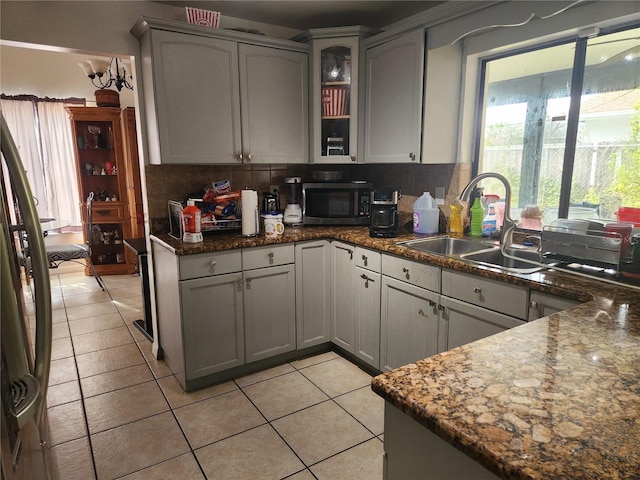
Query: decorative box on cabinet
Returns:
{"type": "Point", "coordinates": [217, 96]}
{"type": "Point", "coordinates": [101, 170]}
{"type": "Point", "coordinates": [336, 93]}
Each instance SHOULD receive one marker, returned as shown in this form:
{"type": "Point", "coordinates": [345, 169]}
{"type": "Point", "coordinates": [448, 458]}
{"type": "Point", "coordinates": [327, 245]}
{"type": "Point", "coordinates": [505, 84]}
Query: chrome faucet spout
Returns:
{"type": "Point", "coordinates": [508, 226]}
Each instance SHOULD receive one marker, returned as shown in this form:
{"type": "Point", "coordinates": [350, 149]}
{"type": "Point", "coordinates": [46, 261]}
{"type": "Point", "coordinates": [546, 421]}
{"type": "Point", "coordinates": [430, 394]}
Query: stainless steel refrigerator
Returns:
{"type": "Point", "coordinates": [26, 344]}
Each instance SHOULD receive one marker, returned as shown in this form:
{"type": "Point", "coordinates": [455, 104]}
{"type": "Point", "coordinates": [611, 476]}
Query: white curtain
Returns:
{"type": "Point", "coordinates": [59, 162]}
{"type": "Point", "coordinates": [45, 143]}
{"type": "Point", "coordinates": [21, 120]}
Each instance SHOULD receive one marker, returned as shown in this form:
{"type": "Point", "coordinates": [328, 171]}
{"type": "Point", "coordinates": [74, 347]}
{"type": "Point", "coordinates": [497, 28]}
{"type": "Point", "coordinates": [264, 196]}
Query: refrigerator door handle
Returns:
{"type": "Point", "coordinates": [39, 262]}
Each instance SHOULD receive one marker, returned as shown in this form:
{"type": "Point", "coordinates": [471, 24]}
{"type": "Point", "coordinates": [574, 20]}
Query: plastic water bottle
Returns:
{"type": "Point", "coordinates": [425, 215]}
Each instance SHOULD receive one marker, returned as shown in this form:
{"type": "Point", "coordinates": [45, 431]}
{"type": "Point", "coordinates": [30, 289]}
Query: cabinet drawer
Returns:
{"type": "Point", "coordinates": [368, 259]}
{"type": "Point", "coordinates": [260, 257]}
{"type": "Point", "coordinates": [107, 212]}
{"type": "Point", "coordinates": [415, 273]}
{"type": "Point", "coordinates": [208, 264]}
{"type": "Point", "coordinates": [494, 295]}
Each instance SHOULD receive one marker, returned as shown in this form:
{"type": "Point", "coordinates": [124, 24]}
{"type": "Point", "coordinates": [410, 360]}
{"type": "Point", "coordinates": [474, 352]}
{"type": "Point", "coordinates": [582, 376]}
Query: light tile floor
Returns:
{"type": "Point", "coordinates": [117, 412]}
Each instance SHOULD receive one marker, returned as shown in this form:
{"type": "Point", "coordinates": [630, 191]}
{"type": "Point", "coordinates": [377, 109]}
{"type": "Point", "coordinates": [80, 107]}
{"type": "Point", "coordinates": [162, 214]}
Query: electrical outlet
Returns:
{"type": "Point", "coordinates": [439, 195]}
{"type": "Point", "coordinates": [274, 189]}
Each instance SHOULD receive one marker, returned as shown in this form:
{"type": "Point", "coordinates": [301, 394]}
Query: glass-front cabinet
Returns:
{"type": "Point", "coordinates": [336, 92]}
{"type": "Point", "coordinates": [101, 171]}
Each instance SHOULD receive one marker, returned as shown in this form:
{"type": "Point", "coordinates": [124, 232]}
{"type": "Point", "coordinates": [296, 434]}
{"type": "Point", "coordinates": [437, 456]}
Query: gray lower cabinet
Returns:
{"type": "Point", "coordinates": [269, 301]}
{"type": "Point", "coordinates": [464, 323]}
{"type": "Point", "coordinates": [409, 323]}
{"type": "Point", "coordinates": [313, 293]}
{"type": "Point", "coordinates": [543, 304]}
{"type": "Point", "coordinates": [367, 306]}
{"type": "Point", "coordinates": [476, 308]}
{"type": "Point", "coordinates": [213, 330]}
{"type": "Point", "coordinates": [342, 294]}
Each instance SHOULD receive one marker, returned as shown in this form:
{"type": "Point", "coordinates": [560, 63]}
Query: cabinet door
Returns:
{"type": "Point", "coordinates": [367, 328]}
{"type": "Point", "coordinates": [269, 312]}
{"type": "Point", "coordinates": [467, 323]}
{"type": "Point", "coordinates": [313, 293]}
{"type": "Point", "coordinates": [342, 295]}
{"type": "Point", "coordinates": [409, 324]}
{"type": "Point", "coordinates": [393, 118]}
{"type": "Point", "coordinates": [192, 99]}
{"type": "Point", "coordinates": [212, 324]}
{"type": "Point", "coordinates": [542, 305]}
{"type": "Point", "coordinates": [335, 100]}
{"type": "Point", "coordinates": [274, 94]}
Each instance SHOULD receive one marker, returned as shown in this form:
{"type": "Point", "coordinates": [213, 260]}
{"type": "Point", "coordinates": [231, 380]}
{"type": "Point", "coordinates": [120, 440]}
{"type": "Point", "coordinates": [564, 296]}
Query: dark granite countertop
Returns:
{"type": "Point", "coordinates": [556, 398]}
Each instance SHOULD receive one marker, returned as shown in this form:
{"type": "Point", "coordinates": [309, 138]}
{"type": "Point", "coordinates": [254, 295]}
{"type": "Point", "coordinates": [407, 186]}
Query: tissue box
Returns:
{"type": "Point", "coordinates": [204, 18]}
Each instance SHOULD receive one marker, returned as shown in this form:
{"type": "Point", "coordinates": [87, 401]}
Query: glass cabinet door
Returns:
{"type": "Point", "coordinates": [336, 100]}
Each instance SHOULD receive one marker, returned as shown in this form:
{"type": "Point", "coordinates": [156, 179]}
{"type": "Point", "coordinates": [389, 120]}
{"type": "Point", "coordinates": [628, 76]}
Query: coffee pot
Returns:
{"type": "Point", "coordinates": [270, 203]}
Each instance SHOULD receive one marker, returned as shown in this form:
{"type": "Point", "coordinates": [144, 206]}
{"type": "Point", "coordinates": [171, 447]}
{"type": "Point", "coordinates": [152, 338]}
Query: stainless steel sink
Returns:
{"type": "Point", "coordinates": [495, 258]}
{"type": "Point", "coordinates": [446, 245]}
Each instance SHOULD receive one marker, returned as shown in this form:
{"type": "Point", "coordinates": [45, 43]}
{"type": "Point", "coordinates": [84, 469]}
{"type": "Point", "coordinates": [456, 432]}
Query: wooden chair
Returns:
{"type": "Point", "coordinates": [57, 254]}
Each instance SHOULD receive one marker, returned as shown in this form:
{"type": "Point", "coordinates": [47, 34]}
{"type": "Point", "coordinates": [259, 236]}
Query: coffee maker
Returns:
{"type": "Point", "coordinates": [293, 211]}
{"type": "Point", "coordinates": [384, 212]}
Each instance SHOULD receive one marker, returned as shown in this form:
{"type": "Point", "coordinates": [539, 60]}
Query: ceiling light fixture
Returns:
{"type": "Point", "coordinates": [104, 74]}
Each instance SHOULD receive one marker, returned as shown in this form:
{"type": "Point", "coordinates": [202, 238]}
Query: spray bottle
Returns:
{"type": "Point", "coordinates": [191, 223]}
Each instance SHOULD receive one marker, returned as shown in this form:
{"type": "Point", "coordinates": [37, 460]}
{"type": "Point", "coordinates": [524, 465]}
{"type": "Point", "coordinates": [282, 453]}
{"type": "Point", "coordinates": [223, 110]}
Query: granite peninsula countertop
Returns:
{"type": "Point", "coordinates": [556, 398]}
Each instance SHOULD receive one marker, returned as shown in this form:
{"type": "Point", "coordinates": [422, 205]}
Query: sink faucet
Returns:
{"type": "Point", "coordinates": [508, 226]}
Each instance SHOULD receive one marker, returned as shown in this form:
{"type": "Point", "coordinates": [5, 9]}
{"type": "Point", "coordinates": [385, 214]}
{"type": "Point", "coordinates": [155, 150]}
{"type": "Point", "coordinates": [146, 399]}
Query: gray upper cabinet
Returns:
{"type": "Point", "coordinates": [393, 99]}
{"type": "Point", "coordinates": [274, 104]}
{"type": "Point", "coordinates": [216, 96]}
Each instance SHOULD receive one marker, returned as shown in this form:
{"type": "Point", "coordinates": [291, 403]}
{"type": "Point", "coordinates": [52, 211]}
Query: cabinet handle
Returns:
{"type": "Point", "coordinates": [533, 304]}
{"type": "Point", "coordinates": [477, 290]}
{"type": "Point", "coordinates": [365, 260]}
{"type": "Point", "coordinates": [366, 280]}
{"type": "Point", "coordinates": [353, 158]}
{"type": "Point", "coordinates": [248, 283]}
{"type": "Point", "coordinates": [441, 308]}
{"type": "Point", "coordinates": [212, 263]}
{"type": "Point", "coordinates": [270, 255]}
{"type": "Point", "coordinates": [239, 285]}
{"type": "Point", "coordinates": [405, 270]}
{"type": "Point", "coordinates": [432, 303]}
{"type": "Point", "coordinates": [249, 157]}
{"type": "Point", "coordinates": [104, 213]}
{"type": "Point", "coordinates": [412, 156]}
{"type": "Point", "coordinates": [350, 254]}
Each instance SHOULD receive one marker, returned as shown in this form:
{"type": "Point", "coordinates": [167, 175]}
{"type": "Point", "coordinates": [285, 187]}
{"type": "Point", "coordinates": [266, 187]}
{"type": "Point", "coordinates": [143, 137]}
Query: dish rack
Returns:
{"type": "Point", "coordinates": [588, 247]}
{"type": "Point", "coordinates": [175, 221]}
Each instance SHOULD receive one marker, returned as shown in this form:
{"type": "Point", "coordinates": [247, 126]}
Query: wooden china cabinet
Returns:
{"type": "Point", "coordinates": [101, 168]}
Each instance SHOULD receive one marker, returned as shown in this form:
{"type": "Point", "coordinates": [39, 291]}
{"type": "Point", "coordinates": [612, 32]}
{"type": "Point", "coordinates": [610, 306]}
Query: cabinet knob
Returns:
{"type": "Point", "coordinates": [212, 263]}
{"type": "Point", "coordinates": [477, 290]}
{"type": "Point", "coordinates": [412, 156]}
{"type": "Point", "coordinates": [239, 156]}
{"type": "Point", "coordinates": [249, 157]}
{"type": "Point", "coordinates": [353, 158]}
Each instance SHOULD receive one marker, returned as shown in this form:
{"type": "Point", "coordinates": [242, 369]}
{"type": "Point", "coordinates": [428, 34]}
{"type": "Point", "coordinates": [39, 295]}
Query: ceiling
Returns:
{"type": "Point", "coordinates": [307, 14]}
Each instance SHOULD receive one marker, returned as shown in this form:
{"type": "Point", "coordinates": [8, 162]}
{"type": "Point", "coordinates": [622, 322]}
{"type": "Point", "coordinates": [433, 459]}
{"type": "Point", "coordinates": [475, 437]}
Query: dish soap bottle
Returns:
{"type": "Point", "coordinates": [477, 216]}
{"type": "Point", "coordinates": [456, 225]}
{"type": "Point", "coordinates": [191, 223]}
{"type": "Point", "coordinates": [490, 223]}
{"type": "Point", "coordinates": [426, 215]}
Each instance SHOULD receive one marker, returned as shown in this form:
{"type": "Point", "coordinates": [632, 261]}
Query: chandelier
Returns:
{"type": "Point", "coordinates": [104, 74]}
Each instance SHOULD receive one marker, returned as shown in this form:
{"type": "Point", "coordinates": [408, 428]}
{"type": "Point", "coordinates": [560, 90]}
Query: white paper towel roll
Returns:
{"type": "Point", "coordinates": [249, 212]}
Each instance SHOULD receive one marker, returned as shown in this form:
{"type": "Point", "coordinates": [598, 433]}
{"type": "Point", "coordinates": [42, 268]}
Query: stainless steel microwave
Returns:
{"type": "Point", "coordinates": [336, 203]}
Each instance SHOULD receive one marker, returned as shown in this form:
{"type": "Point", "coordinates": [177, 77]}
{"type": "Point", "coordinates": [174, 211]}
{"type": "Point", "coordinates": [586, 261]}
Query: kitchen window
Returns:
{"type": "Point", "coordinates": [562, 123]}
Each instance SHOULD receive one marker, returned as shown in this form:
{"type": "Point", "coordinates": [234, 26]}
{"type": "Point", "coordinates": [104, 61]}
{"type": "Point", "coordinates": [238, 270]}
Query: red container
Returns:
{"type": "Point", "coordinates": [334, 101]}
{"type": "Point", "coordinates": [629, 215]}
{"type": "Point", "coordinates": [622, 231]}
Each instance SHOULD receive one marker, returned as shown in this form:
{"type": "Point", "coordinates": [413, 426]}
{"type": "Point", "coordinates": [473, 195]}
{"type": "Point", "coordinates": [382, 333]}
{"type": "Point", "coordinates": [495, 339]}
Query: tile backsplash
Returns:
{"type": "Point", "coordinates": [176, 182]}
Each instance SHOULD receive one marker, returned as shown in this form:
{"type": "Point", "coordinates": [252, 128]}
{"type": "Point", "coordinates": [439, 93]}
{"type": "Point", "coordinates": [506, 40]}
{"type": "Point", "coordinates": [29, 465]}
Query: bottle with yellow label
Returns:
{"type": "Point", "coordinates": [456, 225]}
